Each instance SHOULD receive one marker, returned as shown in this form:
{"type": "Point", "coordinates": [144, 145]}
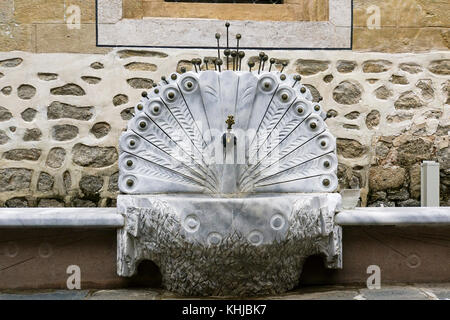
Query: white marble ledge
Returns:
{"type": "Point", "coordinates": [394, 216]}
{"type": "Point", "coordinates": [60, 218]}
{"type": "Point", "coordinates": [110, 218]}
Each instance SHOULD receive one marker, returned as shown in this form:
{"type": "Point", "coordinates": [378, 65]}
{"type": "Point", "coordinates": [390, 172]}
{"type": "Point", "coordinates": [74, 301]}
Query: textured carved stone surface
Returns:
{"type": "Point", "coordinates": [228, 246]}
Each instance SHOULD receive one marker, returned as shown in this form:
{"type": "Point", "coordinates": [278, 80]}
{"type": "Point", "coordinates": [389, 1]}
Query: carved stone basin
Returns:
{"type": "Point", "coordinates": [227, 179]}
{"type": "Point", "coordinates": [228, 246]}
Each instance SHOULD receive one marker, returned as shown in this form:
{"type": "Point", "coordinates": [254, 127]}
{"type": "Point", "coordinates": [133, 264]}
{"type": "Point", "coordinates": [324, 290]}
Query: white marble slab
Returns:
{"type": "Point", "coordinates": [394, 216]}
{"type": "Point", "coordinates": [113, 30]}
{"type": "Point", "coordinates": [60, 218]}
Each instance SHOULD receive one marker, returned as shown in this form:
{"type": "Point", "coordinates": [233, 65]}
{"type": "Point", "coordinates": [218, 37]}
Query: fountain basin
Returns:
{"type": "Point", "coordinates": [251, 245]}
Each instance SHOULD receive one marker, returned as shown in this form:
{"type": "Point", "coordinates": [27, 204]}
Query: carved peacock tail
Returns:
{"type": "Point", "coordinates": [226, 132]}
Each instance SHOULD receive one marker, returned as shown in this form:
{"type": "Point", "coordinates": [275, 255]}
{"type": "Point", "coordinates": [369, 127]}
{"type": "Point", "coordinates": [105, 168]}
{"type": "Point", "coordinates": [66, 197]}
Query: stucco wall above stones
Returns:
{"type": "Point", "coordinates": [61, 116]}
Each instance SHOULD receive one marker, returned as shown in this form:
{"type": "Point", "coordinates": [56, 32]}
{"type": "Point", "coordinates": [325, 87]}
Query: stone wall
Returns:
{"type": "Point", "coordinates": [61, 115]}
{"type": "Point", "coordinates": [64, 101]}
{"type": "Point", "coordinates": [40, 25]}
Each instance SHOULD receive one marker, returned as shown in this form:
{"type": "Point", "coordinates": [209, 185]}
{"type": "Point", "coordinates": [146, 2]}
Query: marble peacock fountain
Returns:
{"type": "Point", "coordinates": [227, 180]}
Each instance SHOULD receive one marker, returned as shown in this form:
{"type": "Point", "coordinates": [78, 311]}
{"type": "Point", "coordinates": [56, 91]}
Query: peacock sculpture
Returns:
{"type": "Point", "coordinates": [224, 165]}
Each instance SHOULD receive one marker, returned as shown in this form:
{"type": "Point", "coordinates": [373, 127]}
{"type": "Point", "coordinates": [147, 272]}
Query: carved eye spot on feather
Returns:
{"type": "Point", "coordinates": [324, 142]}
{"type": "Point", "coordinates": [300, 108]}
{"type": "Point", "coordinates": [285, 95]}
{"type": "Point", "coordinates": [131, 141]}
{"type": "Point", "coordinates": [267, 84]}
{"type": "Point", "coordinates": [188, 84]}
{"type": "Point", "coordinates": [171, 94]}
{"type": "Point", "coordinates": [129, 182]}
{"type": "Point", "coordinates": [155, 108]}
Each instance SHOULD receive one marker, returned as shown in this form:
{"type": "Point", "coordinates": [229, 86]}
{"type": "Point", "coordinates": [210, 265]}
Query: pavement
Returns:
{"type": "Point", "coordinates": [386, 292]}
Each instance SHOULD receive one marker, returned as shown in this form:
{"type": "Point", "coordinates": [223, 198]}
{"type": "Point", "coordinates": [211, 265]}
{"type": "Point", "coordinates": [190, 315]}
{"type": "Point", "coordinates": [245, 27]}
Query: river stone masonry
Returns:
{"type": "Point", "coordinates": [386, 110]}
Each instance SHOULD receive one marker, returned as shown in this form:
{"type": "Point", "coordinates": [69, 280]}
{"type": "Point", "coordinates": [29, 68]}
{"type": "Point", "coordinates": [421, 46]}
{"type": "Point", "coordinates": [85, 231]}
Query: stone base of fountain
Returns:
{"type": "Point", "coordinates": [228, 246]}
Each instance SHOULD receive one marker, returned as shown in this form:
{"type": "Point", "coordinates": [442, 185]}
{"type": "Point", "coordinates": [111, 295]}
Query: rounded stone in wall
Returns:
{"type": "Point", "coordinates": [91, 184]}
{"type": "Point", "coordinates": [347, 92]}
{"type": "Point", "coordinates": [12, 179]}
{"type": "Point", "coordinates": [383, 178]}
{"type": "Point", "coordinates": [70, 89]}
{"type": "Point", "coordinates": [140, 83]}
{"type": "Point", "coordinates": [56, 157]}
{"type": "Point", "coordinates": [397, 79]}
{"type": "Point", "coordinates": [5, 115]}
{"type": "Point", "coordinates": [352, 115]}
{"type": "Point", "coordinates": [26, 91]}
{"type": "Point", "coordinates": [309, 67]}
{"type": "Point", "coordinates": [97, 65]}
{"type": "Point", "coordinates": [34, 134]}
{"type": "Point", "coordinates": [346, 66]}
{"type": "Point", "coordinates": [376, 66]}
{"type": "Point", "coordinates": [373, 119]}
{"type": "Point", "coordinates": [17, 202]}
{"type": "Point", "coordinates": [141, 66]}
{"type": "Point", "coordinates": [100, 129]}
{"type": "Point", "coordinates": [29, 114]}
{"type": "Point", "coordinates": [45, 182]}
{"type": "Point", "coordinates": [440, 67]}
{"type": "Point", "coordinates": [328, 78]}
{"type": "Point", "coordinates": [93, 156]}
{"type": "Point", "coordinates": [120, 99]}
{"type": "Point", "coordinates": [91, 80]}
{"type": "Point", "coordinates": [83, 203]}
{"type": "Point", "coordinates": [3, 137]}
{"type": "Point", "coordinates": [64, 132]}
{"type": "Point", "coordinates": [11, 63]}
{"type": "Point", "coordinates": [426, 87]}
{"type": "Point", "coordinates": [383, 93]}
{"type": "Point", "coordinates": [20, 154]}
{"type": "Point", "coordinates": [113, 182]}
{"type": "Point", "coordinates": [67, 180]}
{"type": "Point", "coordinates": [50, 203]}
{"type": "Point", "coordinates": [47, 76]}
{"type": "Point", "coordinates": [410, 67]}
{"type": "Point", "coordinates": [408, 100]}
{"type": "Point", "coordinates": [6, 90]}
{"type": "Point", "coordinates": [349, 148]}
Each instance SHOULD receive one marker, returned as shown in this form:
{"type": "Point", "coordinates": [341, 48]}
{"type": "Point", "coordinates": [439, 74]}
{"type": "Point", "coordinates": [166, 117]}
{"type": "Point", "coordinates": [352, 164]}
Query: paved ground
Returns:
{"type": "Point", "coordinates": [398, 292]}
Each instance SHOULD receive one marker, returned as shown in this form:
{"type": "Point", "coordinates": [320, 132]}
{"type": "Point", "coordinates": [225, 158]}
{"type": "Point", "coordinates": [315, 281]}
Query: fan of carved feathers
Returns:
{"type": "Point", "coordinates": [175, 142]}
